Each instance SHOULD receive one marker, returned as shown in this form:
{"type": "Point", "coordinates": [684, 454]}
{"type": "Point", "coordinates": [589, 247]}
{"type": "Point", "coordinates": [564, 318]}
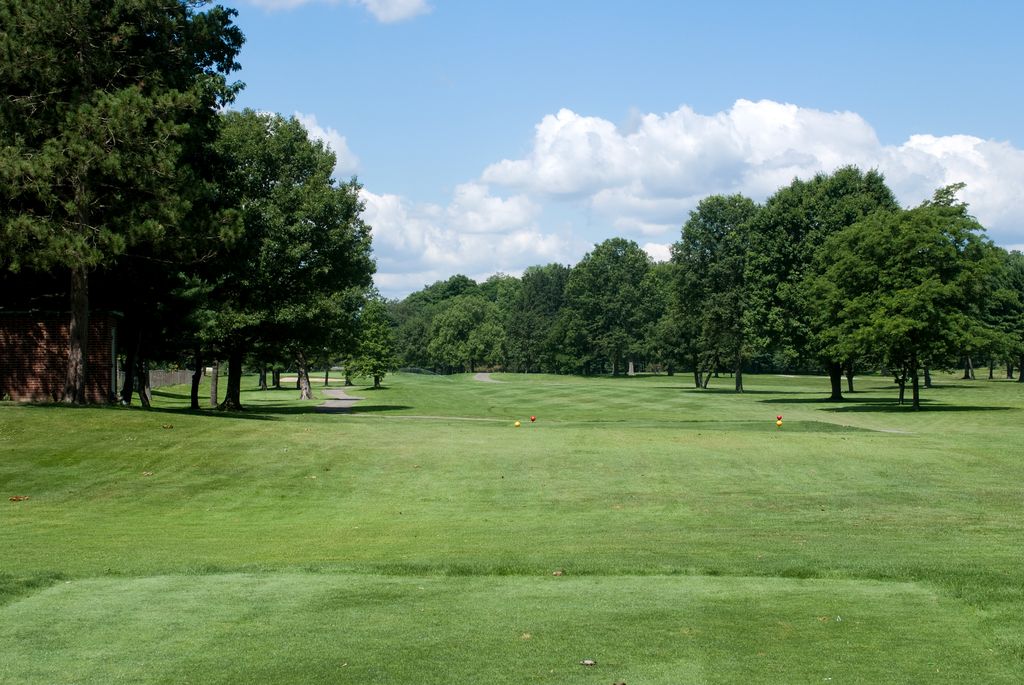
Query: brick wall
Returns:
{"type": "Point", "coordinates": [34, 356]}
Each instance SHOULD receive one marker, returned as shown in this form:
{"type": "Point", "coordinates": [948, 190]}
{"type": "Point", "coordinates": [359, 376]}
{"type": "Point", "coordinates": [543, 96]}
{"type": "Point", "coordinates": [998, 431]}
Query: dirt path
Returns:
{"type": "Point", "coordinates": [485, 378]}
{"type": "Point", "coordinates": [340, 402]}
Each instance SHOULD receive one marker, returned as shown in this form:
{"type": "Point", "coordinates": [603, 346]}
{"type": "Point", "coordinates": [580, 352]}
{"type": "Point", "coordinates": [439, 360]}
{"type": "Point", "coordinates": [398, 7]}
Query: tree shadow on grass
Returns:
{"type": "Point", "coordinates": [729, 391]}
{"type": "Point", "coordinates": [882, 405]}
{"type": "Point", "coordinates": [893, 407]}
{"type": "Point", "coordinates": [361, 409]}
{"type": "Point", "coordinates": [264, 410]}
{"type": "Point", "coordinates": [375, 408]}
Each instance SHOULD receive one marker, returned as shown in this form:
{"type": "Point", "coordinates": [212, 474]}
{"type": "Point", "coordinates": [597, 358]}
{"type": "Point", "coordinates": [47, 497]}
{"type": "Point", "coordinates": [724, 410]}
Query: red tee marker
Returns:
{"type": "Point", "coordinates": [532, 419]}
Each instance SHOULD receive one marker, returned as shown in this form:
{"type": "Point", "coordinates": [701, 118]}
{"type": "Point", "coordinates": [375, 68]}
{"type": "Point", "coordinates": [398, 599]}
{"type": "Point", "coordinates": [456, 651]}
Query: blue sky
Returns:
{"type": "Point", "coordinates": [490, 136]}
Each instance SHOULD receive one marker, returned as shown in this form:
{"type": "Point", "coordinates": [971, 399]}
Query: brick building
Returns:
{"type": "Point", "coordinates": [34, 356]}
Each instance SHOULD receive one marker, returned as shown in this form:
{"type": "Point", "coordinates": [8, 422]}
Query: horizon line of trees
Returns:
{"type": "Point", "coordinates": [828, 274]}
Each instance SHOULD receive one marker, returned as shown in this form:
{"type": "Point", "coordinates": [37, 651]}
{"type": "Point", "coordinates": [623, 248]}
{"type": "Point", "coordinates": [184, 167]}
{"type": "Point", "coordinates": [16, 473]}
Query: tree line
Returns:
{"type": "Point", "coordinates": [127, 186]}
{"type": "Point", "coordinates": [828, 274]}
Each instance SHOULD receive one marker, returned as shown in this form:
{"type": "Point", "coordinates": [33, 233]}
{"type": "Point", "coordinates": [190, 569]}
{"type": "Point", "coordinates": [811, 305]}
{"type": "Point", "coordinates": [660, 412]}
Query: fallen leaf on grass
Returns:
{"type": "Point", "coordinates": [526, 636]}
{"type": "Point", "coordinates": [147, 473]}
{"type": "Point", "coordinates": [167, 425]}
{"type": "Point", "coordinates": [559, 572]}
{"type": "Point", "coordinates": [18, 498]}
{"type": "Point", "coordinates": [588, 662]}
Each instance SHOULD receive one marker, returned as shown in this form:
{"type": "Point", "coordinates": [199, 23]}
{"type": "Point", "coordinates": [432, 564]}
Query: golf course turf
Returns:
{"type": "Point", "coordinates": [669, 534]}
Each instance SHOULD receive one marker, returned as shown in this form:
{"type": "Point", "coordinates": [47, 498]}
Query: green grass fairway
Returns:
{"type": "Point", "coordinates": [416, 539]}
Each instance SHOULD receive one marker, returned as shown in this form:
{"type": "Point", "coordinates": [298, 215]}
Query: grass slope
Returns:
{"type": "Point", "coordinates": [698, 542]}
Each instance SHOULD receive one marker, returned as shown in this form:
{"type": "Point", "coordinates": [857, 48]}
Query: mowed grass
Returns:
{"type": "Point", "coordinates": [414, 540]}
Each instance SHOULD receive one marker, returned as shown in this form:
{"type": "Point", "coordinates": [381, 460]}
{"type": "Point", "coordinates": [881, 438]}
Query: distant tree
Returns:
{"type": "Point", "coordinates": [375, 354]}
{"type": "Point", "coordinates": [455, 343]}
{"type": "Point", "coordinates": [710, 260]}
{"type": "Point", "coordinates": [531, 335]}
{"type": "Point", "coordinates": [493, 338]}
{"type": "Point", "coordinates": [414, 318]}
{"type": "Point", "coordinates": [605, 295]}
{"type": "Point", "coordinates": [1012, 302]}
{"type": "Point", "coordinates": [905, 286]}
{"type": "Point", "coordinates": [104, 106]}
{"type": "Point", "coordinates": [662, 339]}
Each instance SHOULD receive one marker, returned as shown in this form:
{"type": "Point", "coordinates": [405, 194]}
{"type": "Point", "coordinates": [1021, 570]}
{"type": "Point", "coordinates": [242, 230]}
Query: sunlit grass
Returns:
{"type": "Point", "coordinates": [666, 508]}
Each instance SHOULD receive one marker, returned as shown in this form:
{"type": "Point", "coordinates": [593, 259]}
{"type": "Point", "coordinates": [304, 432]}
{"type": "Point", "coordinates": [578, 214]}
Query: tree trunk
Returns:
{"type": "Point", "coordinates": [927, 378]}
{"type": "Point", "coordinates": [915, 388]}
{"type": "Point", "coordinates": [197, 377]}
{"type": "Point", "coordinates": [991, 369]}
{"type": "Point", "coordinates": [849, 376]}
{"type": "Point", "coordinates": [327, 376]}
{"type": "Point", "coordinates": [214, 378]}
{"type": "Point", "coordinates": [131, 356]}
{"type": "Point", "coordinates": [835, 375]}
{"type": "Point", "coordinates": [145, 390]}
{"type": "Point", "coordinates": [670, 370]}
{"type": "Point", "coordinates": [1009, 369]}
{"type": "Point", "coordinates": [968, 369]}
{"type": "Point", "coordinates": [275, 374]}
{"type": "Point", "coordinates": [739, 373]}
{"type": "Point", "coordinates": [78, 337]}
{"type": "Point", "coordinates": [263, 378]}
{"type": "Point", "coordinates": [305, 390]}
{"type": "Point", "coordinates": [233, 394]}
{"type": "Point", "coordinates": [707, 379]}
{"type": "Point", "coordinates": [348, 378]}
{"type": "Point", "coordinates": [1020, 371]}
{"type": "Point", "coordinates": [631, 370]}
{"type": "Point", "coordinates": [902, 380]}
{"type": "Point", "coordinates": [376, 382]}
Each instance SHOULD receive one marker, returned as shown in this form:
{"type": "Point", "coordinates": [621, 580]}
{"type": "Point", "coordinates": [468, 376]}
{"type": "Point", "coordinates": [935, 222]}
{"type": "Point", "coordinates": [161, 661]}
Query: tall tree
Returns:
{"type": "Point", "coordinates": [297, 275]}
{"type": "Point", "coordinates": [710, 260]}
{"type": "Point", "coordinates": [784, 240]}
{"type": "Point", "coordinates": [103, 104]}
{"type": "Point", "coordinates": [904, 287]}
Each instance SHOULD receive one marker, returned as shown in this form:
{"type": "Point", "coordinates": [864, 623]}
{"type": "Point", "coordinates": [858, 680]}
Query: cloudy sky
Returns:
{"type": "Point", "coordinates": [491, 135]}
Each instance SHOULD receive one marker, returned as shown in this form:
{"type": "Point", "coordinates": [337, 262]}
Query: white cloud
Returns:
{"type": "Point", "coordinates": [474, 210]}
{"type": "Point", "coordinates": [388, 11]}
{"type": "Point", "coordinates": [384, 11]}
{"type": "Point", "coordinates": [992, 170]}
{"type": "Point", "coordinates": [347, 163]}
{"type": "Point", "coordinates": [644, 181]}
{"type": "Point", "coordinates": [658, 252]}
{"type": "Point", "coordinates": [476, 233]}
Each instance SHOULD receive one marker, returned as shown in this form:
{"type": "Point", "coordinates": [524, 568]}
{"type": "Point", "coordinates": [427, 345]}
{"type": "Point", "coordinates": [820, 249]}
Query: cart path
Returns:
{"type": "Point", "coordinates": [340, 402]}
{"type": "Point", "coordinates": [485, 378]}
